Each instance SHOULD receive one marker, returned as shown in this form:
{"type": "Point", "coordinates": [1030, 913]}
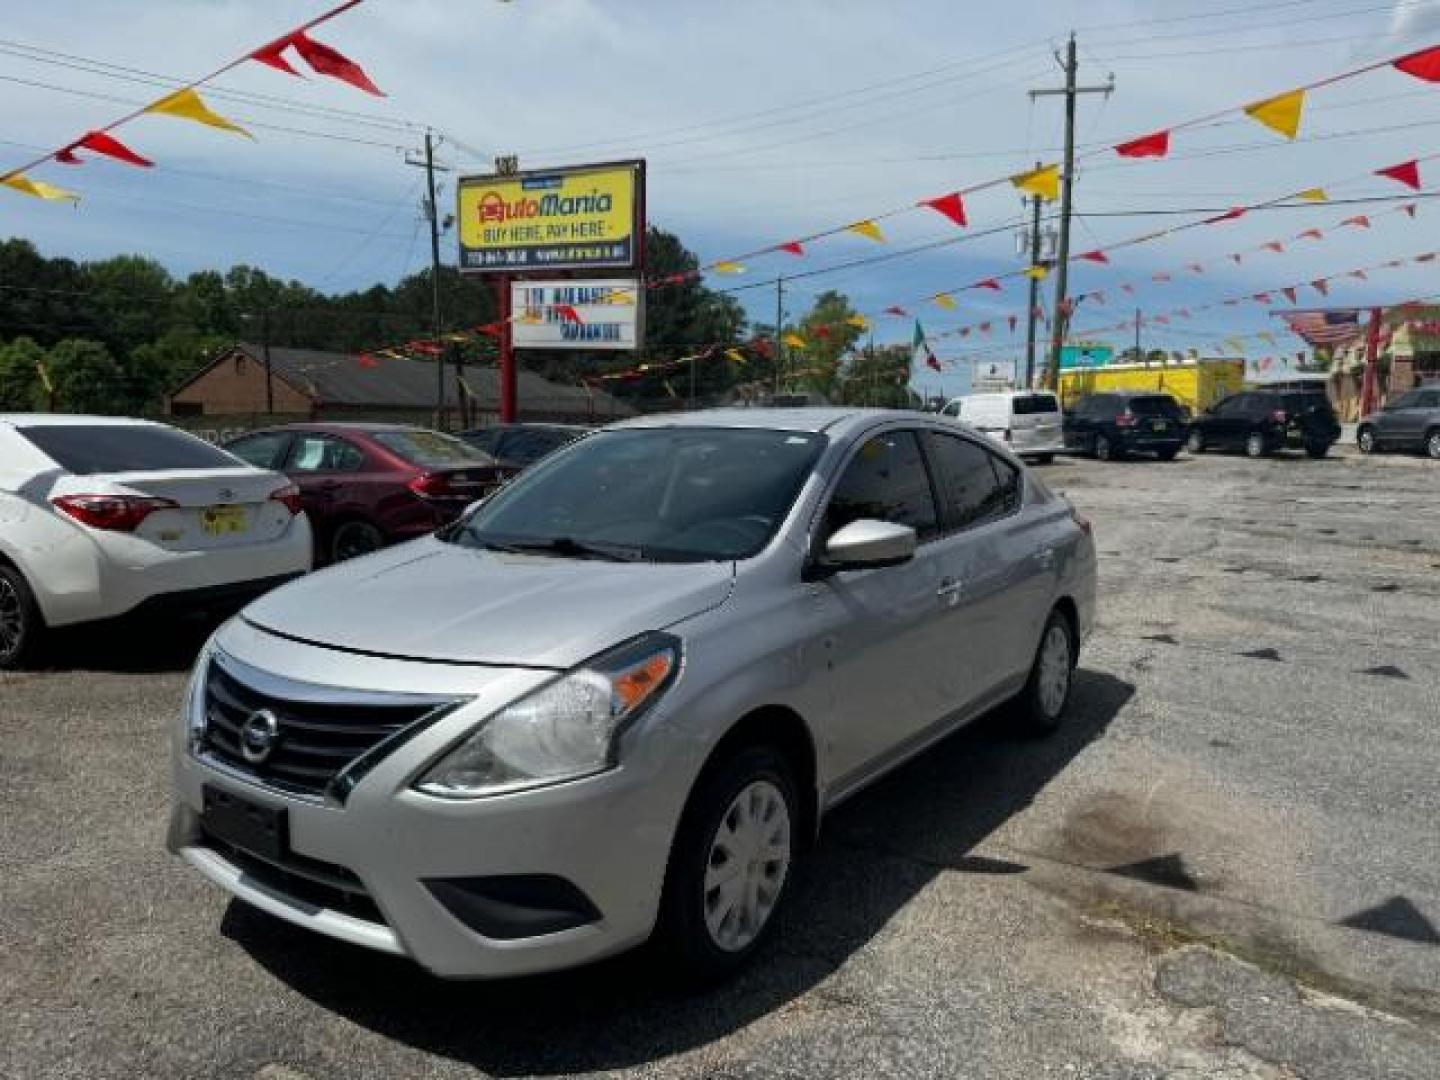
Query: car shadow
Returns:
{"type": "Point", "coordinates": [131, 644]}
{"type": "Point", "coordinates": [874, 855]}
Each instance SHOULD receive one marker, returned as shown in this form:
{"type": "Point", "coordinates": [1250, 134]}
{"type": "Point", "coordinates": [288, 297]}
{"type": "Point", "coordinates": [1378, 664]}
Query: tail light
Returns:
{"type": "Point", "coordinates": [1125, 419]}
{"type": "Point", "coordinates": [1279, 416]}
{"type": "Point", "coordinates": [112, 513]}
{"type": "Point", "coordinates": [289, 495]}
{"type": "Point", "coordinates": [431, 486]}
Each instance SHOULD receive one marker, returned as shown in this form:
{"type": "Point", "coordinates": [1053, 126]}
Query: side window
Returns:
{"type": "Point", "coordinates": [1431, 399]}
{"type": "Point", "coordinates": [975, 485]}
{"type": "Point", "coordinates": [1408, 400]}
{"type": "Point", "coordinates": [264, 451]}
{"type": "Point", "coordinates": [323, 453]}
{"type": "Point", "coordinates": [1233, 406]}
{"type": "Point", "coordinates": [886, 480]}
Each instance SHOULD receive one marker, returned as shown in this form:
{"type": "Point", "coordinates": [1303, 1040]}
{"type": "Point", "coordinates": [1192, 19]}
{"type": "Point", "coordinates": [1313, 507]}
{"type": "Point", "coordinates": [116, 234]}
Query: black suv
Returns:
{"type": "Point", "coordinates": [1263, 421]}
{"type": "Point", "coordinates": [1114, 425]}
{"type": "Point", "coordinates": [1410, 422]}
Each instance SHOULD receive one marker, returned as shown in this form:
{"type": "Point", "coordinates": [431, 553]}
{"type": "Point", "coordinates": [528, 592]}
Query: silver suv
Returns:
{"type": "Point", "coordinates": [614, 701]}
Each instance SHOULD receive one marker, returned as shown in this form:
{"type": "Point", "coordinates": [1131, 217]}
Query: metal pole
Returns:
{"type": "Point", "coordinates": [265, 347]}
{"type": "Point", "coordinates": [1067, 180]}
{"type": "Point", "coordinates": [779, 329]}
{"type": "Point", "coordinates": [1034, 289]}
{"type": "Point", "coordinates": [1139, 356]}
{"type": "Point", "coordinates": [432, 212]}
{"type": "Point", "coordinates": [1368, 387]}
{"type": "Point", "coordinates": [690, 404]}
{"type": "Point", "coordinates": [507, 353]}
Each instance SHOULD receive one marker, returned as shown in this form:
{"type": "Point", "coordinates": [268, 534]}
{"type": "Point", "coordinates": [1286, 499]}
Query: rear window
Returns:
{"type": "Point", "coordinates": [1028, 404]}
{"type": "Point", "coordinates": [431, 449]}
{"type": "Point", "coordinates": [1307, 402]}
{"type": "Point", "coordinates": [1155, 405]}
{"type": "Point", "coordinates": [85, 449]}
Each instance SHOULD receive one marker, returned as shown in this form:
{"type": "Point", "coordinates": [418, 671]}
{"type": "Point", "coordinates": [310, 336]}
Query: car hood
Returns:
{"type": "Point", "coordinates": [430, 600]}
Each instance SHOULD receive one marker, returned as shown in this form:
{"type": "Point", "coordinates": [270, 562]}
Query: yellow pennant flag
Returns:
{"type": "Point", "coordinates": [188, 105]}
{"type": "Point", "coordinates": [1038, 273]}
{"type": "Point", "coordinates": [1236, 344]}
{"type": "Point", "coordinates": [1314, 194]}
{"type": "Point", "coordinates": [795, 341]}
{"type": "Point", "coordinates": [736, 355]}
{"type": "Point", "coordinates": [40, 189]}
{"type": "Point", "coordinates": [944, 300]}
{"type": "Point", "coordinates": [728, 268]}
{"type": "Point", "coordinates": [869, 230]}
{"type": "Point", "coordinates": [1044, 182]}
{"type": "Point", "coordinates": [1281, 113]}
{"type": "Point", "coordinates": [859, 322]}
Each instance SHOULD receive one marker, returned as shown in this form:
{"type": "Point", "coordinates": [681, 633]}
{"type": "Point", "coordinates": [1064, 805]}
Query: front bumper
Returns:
{"type": "Point", "coordinates": [365, 872]}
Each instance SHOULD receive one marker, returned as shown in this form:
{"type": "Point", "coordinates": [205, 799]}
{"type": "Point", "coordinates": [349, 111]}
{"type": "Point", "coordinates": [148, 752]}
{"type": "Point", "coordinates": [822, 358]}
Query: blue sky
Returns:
{"type": "Point", "coordinates": [761, 122]}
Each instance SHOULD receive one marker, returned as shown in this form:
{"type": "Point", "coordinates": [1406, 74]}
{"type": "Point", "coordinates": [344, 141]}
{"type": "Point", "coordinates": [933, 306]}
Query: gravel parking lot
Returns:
{"type": "Point", "coordinates": [1228, 865]}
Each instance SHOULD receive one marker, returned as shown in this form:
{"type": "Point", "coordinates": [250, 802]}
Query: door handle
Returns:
{"type": "Point", "coordinates": [949, 592]}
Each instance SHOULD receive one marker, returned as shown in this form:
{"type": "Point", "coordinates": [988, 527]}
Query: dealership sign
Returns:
{"type": "Point", "coordinates": [592, 314]}
{"type": "Point", "coordinates": [587, 217]}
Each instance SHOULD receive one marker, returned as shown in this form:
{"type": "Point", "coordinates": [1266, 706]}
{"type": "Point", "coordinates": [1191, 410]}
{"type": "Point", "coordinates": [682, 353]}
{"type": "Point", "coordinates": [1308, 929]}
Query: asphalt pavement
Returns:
{"type": "Point", "coordinates": [1226, 865]}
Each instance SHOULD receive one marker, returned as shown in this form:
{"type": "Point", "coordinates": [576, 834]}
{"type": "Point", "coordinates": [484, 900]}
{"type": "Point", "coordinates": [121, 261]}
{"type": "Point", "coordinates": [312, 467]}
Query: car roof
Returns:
{"type": "Point", "coordinates": [811, 420]}
{"type": "Point", "coordinates": [72, 420]}
{"type": "Point", "coordinates": [338, 428]}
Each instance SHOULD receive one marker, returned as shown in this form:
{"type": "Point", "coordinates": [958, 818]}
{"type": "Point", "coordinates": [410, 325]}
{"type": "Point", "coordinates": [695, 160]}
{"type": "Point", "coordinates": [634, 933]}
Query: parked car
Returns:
{"type": "Point", "coordinates": [615, 699]}
{"type": "Point", "coordinates": [101, 517]}
{"type": "Point", "coordinates": [519, 446]}
{"type": "Point", "coordinates": [369, 485]}
{"type": "Point", "coordinates": [1410, 422]}
{"type": "Point", "coordinates": [1263, 421]}
{"type": "Point", "coordinates": [1118, 424]}
{"type": "Point", "coordinates": [1027, 421]}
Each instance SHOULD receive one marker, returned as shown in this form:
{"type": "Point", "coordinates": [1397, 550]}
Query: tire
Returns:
{"type": "Point", "coordinates": [1196, 443]}
{"type": "Point", "coordinates": [22, 627]}
{"type": "Point", "coordinates": [1168, 455]}
{"type": "Point", "coordinates": [1040, 707]}
{"type": "Point", "coordinates": [1365, 440]}
{"type": "Point", "coordinates": [1104, 450]}
{"type": "Point", "coordinates": [1432, 444]}
{"type": "Point", "coordinates": [698, 941]}
{"type": "Point", "coordinates": [1317, 450]}
{"type": "Point", "coordinates": [1256, 445]}
{"type": "Point", "coordinates": [351, 539]}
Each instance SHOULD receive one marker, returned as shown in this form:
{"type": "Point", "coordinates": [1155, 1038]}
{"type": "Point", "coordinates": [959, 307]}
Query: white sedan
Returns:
{"type": "Point", "coordinates": [100, 517]}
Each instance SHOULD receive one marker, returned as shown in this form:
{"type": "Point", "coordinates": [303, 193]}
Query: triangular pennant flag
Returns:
{"type": "Point", "coordinates": [867, 229]}
{"type": "Point", "coordinates": [1280, 113]}
{"type": "Point", "coordinates": [1099, 296]}
{"type": "Point", "coordinates": [1409, 209]}
{"type": "Point", "coordinates": [823, 333]}
{"type": "Point", "coordinates": [726, 267]}
{"type": "Point", "coordinates": [1310, 234]}
{"type": "Point", "coordinates": [188, 105]}
{"type": "Point", "coordinates": [1094, 256]}
{"type": "Point", "coordinates": [1407, 172]}
{"type": "Point", "coordinates": [1044, 182]}
{"type": "Point", "coordinates": [101, 142]}
{"type": "Point", "coordinates": [859, 322]}
{"type": "Point", "coordinates": [793, 247]}
{"type": "Point", "coordinates": [1290, 293]}
{"type": "Point", "coordinates": [1275, 246]}
{"type": "Point", "coordinates": [1037, 273]}
{"type": "Point", "coordinates": [1423, 65]}
{"type": "Point", "coordinates": [965, 331]}
{"type": "Point", "coordinates": [1238, 258]}
{"type": "Point", "coordinates": [1429, 256]}
{"type": "Point", "coordinates": [1236, 344]}
{"type": "Point", "coordinates": [896, 309]}
{"type": "Point", "coordinates": [1196, 268]}
{"type": "Point", "coordinates": [1161, 278]}
{"type": "Point", "coordinates": [1313, 194]}
{"type": "Point", "coordinates": [988, 283]}
{"type": "Point", "coordinates": [273, 55]}
{"type": "Point", "coordinates": [1231, 302]}
{"type": "Point", "coordinates": [1261, 298]}
{"type": "Point", "coordinates": [1360, 274]}
{"type": "Point", "coordinates": [736, 356]}
{"type": "Point", "coordinates": [931, 362]}
{"type": "Point", "coordinates": [39, 189]}
{"type": "Point", "coordinates": [327, 61]}
{"type": "Point", "coordinates": [1229, 215]}
{"type": "Point", "coordinates": [1359, 221]}
{"type": "Point", "coordinates": [795, 341]}
{"type": "Point", "coordinates": [1128, 288]}
{"type": "Point", "coordinates": [1163, 320]}
{"type": "Point", "coordinates": [944, 300]}
{"type": "Point", "coordinates": [1156, 145]}
{"type": "Point", "coordinates": [985, 328]}
{"type": "Point", "coordinates": [952, 206]}
{"type": "Point", "coordinates": [1183, 313]}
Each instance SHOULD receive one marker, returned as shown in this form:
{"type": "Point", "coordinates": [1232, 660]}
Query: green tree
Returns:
{"type": "Point", "coordinates": [20, 385]}
{"type": "Point", "coordinates": [878, 377]}
{"type": "Point", "coordinates": [829, 336]}
{"type": "Point", "coordinates": [87, 378]}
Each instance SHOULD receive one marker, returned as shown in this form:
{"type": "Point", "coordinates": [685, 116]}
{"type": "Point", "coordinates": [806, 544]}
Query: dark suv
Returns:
{"type": "Point", "coordinates": [1263, 421]}
{"type": "Point", "coordinates": [1114, 425]}
{"type": "Point", "coordinates": [1410, 422]}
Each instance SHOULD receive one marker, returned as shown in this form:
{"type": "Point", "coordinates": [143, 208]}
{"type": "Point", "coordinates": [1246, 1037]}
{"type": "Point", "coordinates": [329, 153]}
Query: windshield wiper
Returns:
{"type": "Point", "coordinates": [566, 547]}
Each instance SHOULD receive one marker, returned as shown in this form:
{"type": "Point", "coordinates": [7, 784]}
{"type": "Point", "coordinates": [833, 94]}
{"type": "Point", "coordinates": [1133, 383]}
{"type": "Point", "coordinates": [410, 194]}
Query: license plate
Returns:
{"type": "Point", "coordinates": [247, 825]}
{"type": "Point", "coordinates": [1157, 425]}
{"type": "Point", "coordinates": [220, 520]}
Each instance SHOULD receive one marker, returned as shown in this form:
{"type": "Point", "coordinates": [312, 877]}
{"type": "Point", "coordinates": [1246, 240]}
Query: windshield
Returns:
{"type": "Point", "coordinates": [1158, 405]}
{"type": "Point", "coordinates": [659, 494]}
{"type": "Point", "coordinates": [431, 449]}
{"type": "Point", "coordinates": [1028, 404]}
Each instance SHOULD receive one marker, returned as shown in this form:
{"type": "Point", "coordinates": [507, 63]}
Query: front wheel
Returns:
{"type": "Point", "coordinates": [1432, 445]}
{"type": "Point", "coordinates": [1365, 440]}
{"type": "Point", "coordinates": [1196, 443]}
{"type": "Point", "coordinates": [22, 628]}
{"type": "Point", "coordinates": [1169, 454]}
{"type": "Point", "coordinates": [1257, 446]}
{"type": "Point", "coordinates": [1040, 707]}
{"type": "Point", "coordinates": [353, 539]}
{"type": "Point", "coordinates": [730, 864]}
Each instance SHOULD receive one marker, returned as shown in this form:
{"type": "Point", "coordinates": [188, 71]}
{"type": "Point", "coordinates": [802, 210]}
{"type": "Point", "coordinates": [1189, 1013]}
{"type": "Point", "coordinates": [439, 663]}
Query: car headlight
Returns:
{"type": "Point", "coordinates": [565, 730]}
{"type": "Point", "coordinates": [194, 707]}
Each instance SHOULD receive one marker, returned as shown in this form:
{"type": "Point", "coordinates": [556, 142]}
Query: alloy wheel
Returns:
{"type": "Point", "coordinates": [12, 619]}
{"type": "Point", "coordinates": [1196, 443]}
{"type": "Point", "coordinates": [1255, 446]}
{"type": "Point", "coordinates": [1053, 682]}
{"type": "Point", "coordinates": [1102, 448]}
{"type": "Point", "coordinates": [1432, 445]}
{"type": "Point", "coordinates": [1366, 441]}
{"type": "Point", "coordinates": [355, 538]}
{"type": "Point", "coordinates": [746, 868]}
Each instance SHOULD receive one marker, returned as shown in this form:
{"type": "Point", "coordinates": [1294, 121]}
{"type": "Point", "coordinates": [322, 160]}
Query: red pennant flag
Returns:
{"type": "Point", "coordinates": [428, 348]}
{"type": "Point", "coordinates": [988, 283]}
{"type": "Point", "coordinates": [1229, 215]}
{"type": "Point", "coordinates": [1231, 303]}
{"type": "Point", "coordinates": [931, 362]}
{"type": "Point", "coordinates": [1128, 288]}
{"type": "Point", "coordinates": [365, 360]}
{"type": "Point", "coordinates": [101, 143]}
{"type": "Point", "coordinates": [952, 206]}
{"type": "Point", "coordinates": [1359, 274]}
{"type": "Point", "coordinates": [1094, 256]}
{"type": "Point", "coordinates": [1321, 286]}
{"type": "Point", "coordinates": [491, 329]}
{"type": "Point", "coordinates": [1196, 268]}
{"type": "Point", "coordinates": [1359, 220]}
{"type": "Point", "coordinates": [897, 310]}
{"type": "Point", "coordinates": [1290, 293]}
{"type": "Point", "coordinates": [1423, 65]}
{"type": "Point", "coordinates": [1407, 172]}
{"type": "Point", "coordinates": [1393, 264]}
{"type": "Point", "coordinates": [793, 247]}
{"type": "Point", "coordinates": [984, 328]}
{"type": "Point", "coordinates": [1409, 209]}
{"type": "Point", "coordinates": [1429, 256]}
{"type": "Point", "coordinates": [1156, 145]}
{"type": "Point", "coordinates": [822, 332]}
{"type": "Point", "coordinates": [1160, 277]}
{"type": "Point", "coordinates": [327, 61]}
{"type": "Point", "coordinates": [1099, 297]}
{"type": "Point", "coordinates": [1310, 234]}
{"type": "Point", "coordinates": [1261, 298]}
{"type": "Point", "coordinates": [964, 331]}
{"type": "Point", "coordinates": [762, 346]}
{"type": "Point", "coordinates": [1275, 246]}
{"type": "Point", "coordinates": [1163, 320]}
{"type": "Point", "coordinates": [273, 55]}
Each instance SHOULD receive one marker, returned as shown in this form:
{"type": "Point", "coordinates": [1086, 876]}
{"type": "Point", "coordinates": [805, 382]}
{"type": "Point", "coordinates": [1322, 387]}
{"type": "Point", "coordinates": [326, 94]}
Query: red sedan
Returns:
{"type": "Point", "coordinates": [368, 485]}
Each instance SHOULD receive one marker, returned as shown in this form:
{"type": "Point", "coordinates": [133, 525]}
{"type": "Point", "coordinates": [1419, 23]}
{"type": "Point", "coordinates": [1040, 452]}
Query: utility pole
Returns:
{"type": "Point", "coordinates": [779, 329]}
{"type": "Point", "coordinates": [1034, 289]}
{"type": "Point", "coordinates": [432, 213]}
{"type": "Point", "coordinates": [1138, 354]}
{"type": "Point", "coordinates": [265, 348]}
{"type": "Point", "coordinates": [1067, 183]}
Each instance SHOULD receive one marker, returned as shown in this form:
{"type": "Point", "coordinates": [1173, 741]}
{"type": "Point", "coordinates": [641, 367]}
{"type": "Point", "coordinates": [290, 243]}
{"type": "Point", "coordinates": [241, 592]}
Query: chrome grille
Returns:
{"type": "Point", "coordinates": [319, 734]}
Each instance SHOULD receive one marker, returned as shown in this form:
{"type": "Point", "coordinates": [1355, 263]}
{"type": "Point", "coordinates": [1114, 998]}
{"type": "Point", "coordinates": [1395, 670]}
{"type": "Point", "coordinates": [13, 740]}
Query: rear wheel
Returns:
{"type": "Point", "coordinates": [1103, 449]}
{"type": "Point", "coordinates": [1432, 444]}
{"type": "Point", "coordinates": [1040, 707]}
{"type": "Point", "coordinates": [351, 539]}
{"type": "Point", "coordinates": [22, 628]}
{"type": "Point", "coordinates": [730, 864]}
{"type": "Point", "coordinates": [1256, 445]}
{"type": "Point", "coordinates": [1196, 443]}
{"type": "Point", "coordinates": [1365, 440]}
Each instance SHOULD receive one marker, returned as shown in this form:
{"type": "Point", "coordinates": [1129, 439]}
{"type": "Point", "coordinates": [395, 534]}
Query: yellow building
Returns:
{"type": "Point", "coordinates": [1195, 384]}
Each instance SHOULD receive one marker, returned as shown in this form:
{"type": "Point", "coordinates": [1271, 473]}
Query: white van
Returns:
{"type": "Point", "coordinates": [1028, 422]}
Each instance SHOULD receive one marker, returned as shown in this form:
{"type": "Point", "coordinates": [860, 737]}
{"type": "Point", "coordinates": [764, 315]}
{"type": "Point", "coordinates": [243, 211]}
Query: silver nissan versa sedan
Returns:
{"type": "Point", "coordinates": [614, 701]}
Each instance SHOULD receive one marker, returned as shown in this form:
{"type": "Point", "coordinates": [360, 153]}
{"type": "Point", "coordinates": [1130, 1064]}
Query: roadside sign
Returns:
{"type": "Point", "coordinates": [587, 314]}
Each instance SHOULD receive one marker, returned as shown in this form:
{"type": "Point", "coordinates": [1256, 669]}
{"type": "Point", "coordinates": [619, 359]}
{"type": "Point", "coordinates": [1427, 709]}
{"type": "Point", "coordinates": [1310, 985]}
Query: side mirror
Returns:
{"type": "Point", "coordinates": [868, 544]}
